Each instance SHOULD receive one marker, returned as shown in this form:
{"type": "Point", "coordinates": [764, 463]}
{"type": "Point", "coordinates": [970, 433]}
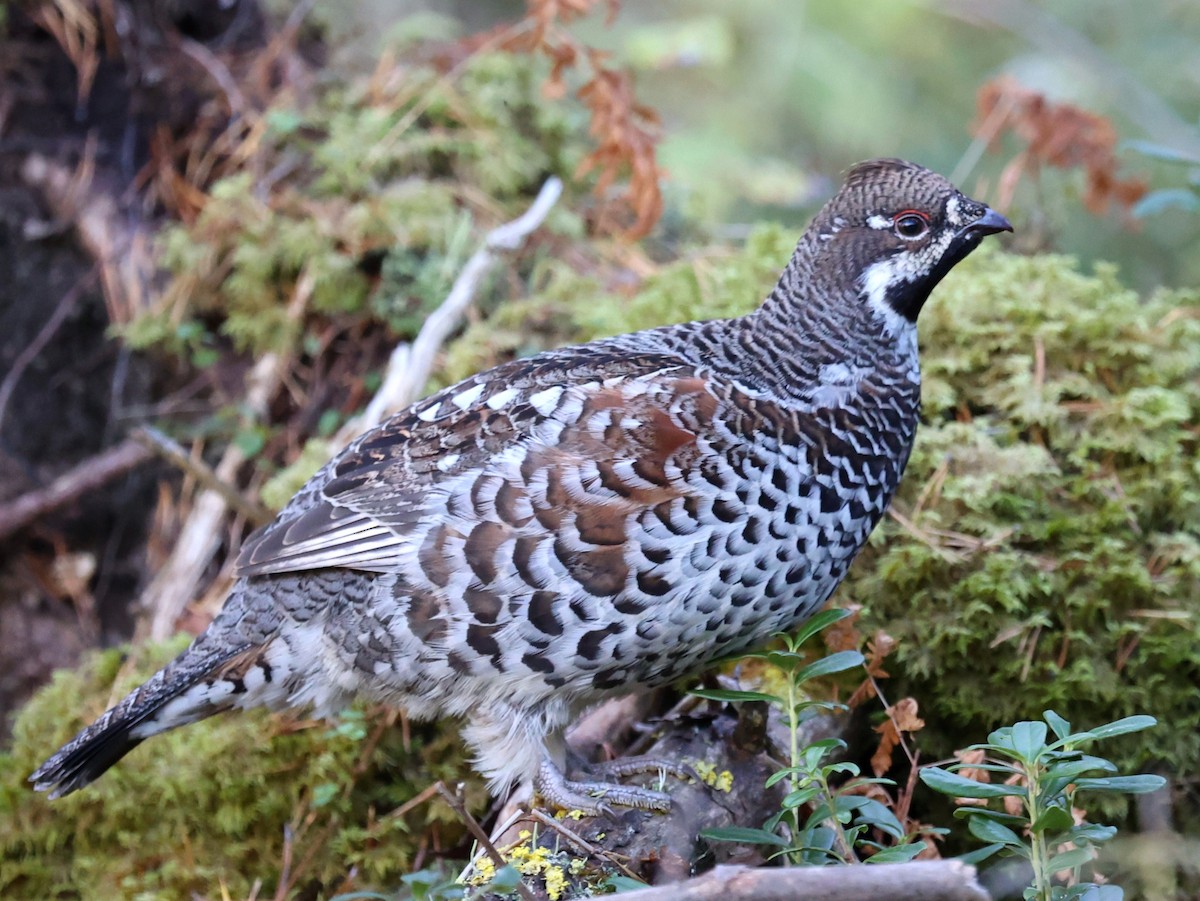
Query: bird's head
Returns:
{"type": "Point", "coordinates": [895, 229]}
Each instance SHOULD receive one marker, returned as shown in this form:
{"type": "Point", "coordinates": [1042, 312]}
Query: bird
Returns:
{"type": "Point", "coordinates": [589, 521]}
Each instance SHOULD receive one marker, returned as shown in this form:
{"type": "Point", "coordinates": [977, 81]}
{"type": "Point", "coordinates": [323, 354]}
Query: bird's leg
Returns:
{"type": "Point", "coordinates": [593, 798]}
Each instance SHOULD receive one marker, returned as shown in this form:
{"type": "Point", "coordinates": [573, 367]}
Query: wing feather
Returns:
{"type": "Point", "coordinates": [360, 511]}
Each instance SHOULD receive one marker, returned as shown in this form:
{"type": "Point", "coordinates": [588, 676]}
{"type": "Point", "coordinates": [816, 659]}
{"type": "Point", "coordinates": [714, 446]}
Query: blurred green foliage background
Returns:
{"type": "Point", "coordinates": [764, 103]}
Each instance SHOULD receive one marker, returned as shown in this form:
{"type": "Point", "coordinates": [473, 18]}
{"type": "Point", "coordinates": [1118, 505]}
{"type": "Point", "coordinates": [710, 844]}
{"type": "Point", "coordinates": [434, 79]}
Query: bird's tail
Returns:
{"type": "Point", "coordinates": [209, 677]}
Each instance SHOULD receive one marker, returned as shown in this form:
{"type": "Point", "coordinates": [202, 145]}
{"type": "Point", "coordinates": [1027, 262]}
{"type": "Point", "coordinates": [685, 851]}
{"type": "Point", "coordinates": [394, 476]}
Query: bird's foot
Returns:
{"type": "Point", "coordinates": [596, 798]}
{"type": "Point", "coordinates": [642, 763]}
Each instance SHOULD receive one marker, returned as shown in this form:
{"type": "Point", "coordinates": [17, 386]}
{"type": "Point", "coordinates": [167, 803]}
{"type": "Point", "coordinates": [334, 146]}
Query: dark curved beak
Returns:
{"type": "Point", "coordinates": [989, 223]}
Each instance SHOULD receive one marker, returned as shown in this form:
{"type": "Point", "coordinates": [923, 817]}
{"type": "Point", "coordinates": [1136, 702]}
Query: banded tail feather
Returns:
{"type": "Point", "coordinates": [200, 682]}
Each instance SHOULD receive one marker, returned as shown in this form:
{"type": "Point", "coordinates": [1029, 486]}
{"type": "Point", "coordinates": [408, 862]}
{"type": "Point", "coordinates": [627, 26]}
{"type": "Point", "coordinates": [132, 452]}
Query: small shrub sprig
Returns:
{"type": "Point", "coordinates": [837, 826]}
{"type": "Point", "coordinates": [1038, 780]}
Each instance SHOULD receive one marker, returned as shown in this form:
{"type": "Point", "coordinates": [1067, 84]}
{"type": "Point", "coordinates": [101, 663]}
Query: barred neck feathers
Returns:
{"type": "Point", "coordinates": [850, 296]}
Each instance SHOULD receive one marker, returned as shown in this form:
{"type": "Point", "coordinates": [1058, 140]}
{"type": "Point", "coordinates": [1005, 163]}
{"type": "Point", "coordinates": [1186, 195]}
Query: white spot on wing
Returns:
{"type": "Point", "coordinates": [464, 399]}
{"type": "Point", "coordinates": [545, 401]}
{"type": "Point", "coordinates": [430, 413]}
{"type": "Point", "coordinates": [446, 463]}
{"type": "Point", "coordinates": [500, 399]}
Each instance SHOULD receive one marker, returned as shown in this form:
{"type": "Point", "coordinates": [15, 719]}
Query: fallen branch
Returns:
{"type": "Point", "coordinates": [76, 482]}
{"type": "Point", "coordinates": [411, 364]}
{"type": "Point", "coordinates": [65, 305]}
{"type": "Point", "coordinates": [455, 800]}
{"type": "Point", "coordinates": [120, 244]}
{"type": "Point", "coordinates": [171, 451]}
{"type": "Point", "coordinates": [408, 371]}
{"type": "Point", "coordinates": [200, 537]}
{"type": "Point", "coordinates": [935, 880]}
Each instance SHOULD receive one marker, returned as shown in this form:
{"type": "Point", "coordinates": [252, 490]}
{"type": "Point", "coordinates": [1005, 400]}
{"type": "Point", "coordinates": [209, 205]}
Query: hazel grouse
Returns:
{"type": "Point", "coordinates": [590, 520]}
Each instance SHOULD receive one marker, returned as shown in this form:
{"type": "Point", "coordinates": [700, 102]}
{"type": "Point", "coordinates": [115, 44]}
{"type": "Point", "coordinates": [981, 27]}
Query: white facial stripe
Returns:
{"type": "Point", "coordinates": [879, 222]}
{"type": "Point", "coordinates": [954, 211]}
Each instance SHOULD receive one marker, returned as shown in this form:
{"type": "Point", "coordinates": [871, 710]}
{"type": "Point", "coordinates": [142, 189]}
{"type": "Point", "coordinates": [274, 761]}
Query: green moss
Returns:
{"type": "Point", "coordinates": [204, 809]}
{"type": "Point", "coordinates": [1055, 490]}
{"type": "Point", "coordinates": [401, 172]}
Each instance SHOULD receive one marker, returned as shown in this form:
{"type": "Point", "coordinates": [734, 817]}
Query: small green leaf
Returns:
{"type": "Point", "coordinates": [990, 831]}
{"type": "Point", "coordinates": [1123, 726]}
{"type": "Point", "coordinates": [1069, 860]}
{"type": "Point", "coordinates": [834, 663]}
{"type": "Point", "coordinates": [729, 694]}
{"type": "Point", "coordinates": [1054, 819]}
{"type": "Point", "coordinates": [844, 766]}
{"type": "Point", "coordinates": [980, 855]}
{"type": "Point", "coordinates": [876, 814]}
{"type": "Point", "coordinates": [743, 835]}
{"type": "Point", "coordinates": [1029, 739]}
{"type": "Point", "coordinates": [898, 854]}
{"type": "Point", "coordinates": [250, 441]}
{"type": "Point", "coordinates": [785, 660]}
{"type": "Point", "coordinates": [1008, 819]}
{"type": "Point", "coordinates": [329, 422]}
{"type": "Point", "coordinates": [1133, 785]}
{"type": "Point", "coordinates": [624, 883]}
{"type": "Point", "coordinates": [1060, 726]}
{"type": "Point", "coordinates": [1100, 893]}
{"type": "Point", "coordinates": [789, 772]}
{"type": "Point", "coordinates": [960, 787]}
{"type": "Point", "coordinates": [817, 623]}
{"type": "Point", "coordinates": [505, 881]}
{"type": "Point", "coordinates": [800, 797]}
{"type": "Point", "coordinates": [1091, 832]}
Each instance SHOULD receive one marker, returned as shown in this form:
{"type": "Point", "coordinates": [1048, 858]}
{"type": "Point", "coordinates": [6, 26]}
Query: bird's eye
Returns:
{"type": "Point", "coordinates": [911, 224]}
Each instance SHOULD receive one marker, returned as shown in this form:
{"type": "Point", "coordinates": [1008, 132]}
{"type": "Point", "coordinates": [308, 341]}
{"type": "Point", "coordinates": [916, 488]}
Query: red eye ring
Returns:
{"type": "Point", "coordinates": [910, 223]}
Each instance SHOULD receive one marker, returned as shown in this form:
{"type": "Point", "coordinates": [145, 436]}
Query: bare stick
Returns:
{"type": "Point", "coordinates": [76, 482]}
{"type": "Point", "coordinates": [38, 344]}
{"type": "Point", "coordinates": [935, 880]}
{"type": "Point", "coordinates": [407, 374]}
{"type": "Point", "coordinates": [171, 451]}
{"type": "Point", "coordinates": [454, 799]}
{"type": "Point", "coordinates": [121, 250]}
{"type": "Point", "coordinates": [601, 853]}
{"type": "Point", "coordinates": [167, 596]}
{"type": "Point", "coordinates": [410, 365]}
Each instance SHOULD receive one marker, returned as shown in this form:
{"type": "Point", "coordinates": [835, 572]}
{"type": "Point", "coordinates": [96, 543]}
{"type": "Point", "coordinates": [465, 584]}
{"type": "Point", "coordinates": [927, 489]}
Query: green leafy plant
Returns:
{"type": "Point", "coordinates": [828, 821]}
{"type": "Point", "coordinates": [1042, 777]}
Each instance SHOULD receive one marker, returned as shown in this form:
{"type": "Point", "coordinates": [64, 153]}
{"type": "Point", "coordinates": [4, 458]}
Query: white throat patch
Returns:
{"type": "Point", "coordinates": [875, 281]}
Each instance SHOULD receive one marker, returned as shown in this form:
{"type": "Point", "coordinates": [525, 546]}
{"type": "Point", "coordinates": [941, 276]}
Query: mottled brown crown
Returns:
{"type": "Point", "coordinates": [888, 186]}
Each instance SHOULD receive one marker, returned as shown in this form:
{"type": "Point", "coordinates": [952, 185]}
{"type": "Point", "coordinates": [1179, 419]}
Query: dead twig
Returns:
{"type": "Point", "coordinates": [200, 536]}
{"type": "Point", "coordinates": [454, 799]}
{"type": "Point", "coordinates": [579, 842]}
{"type": "Point", "coordinates": [171, 451]}
{"type": "Point", "coordinates": [76, 482]}
{"type": "Point", "coordinates": [121, 249]}
{"type": "Point", "coordinates": [38, 344]}
{"type": "Point", "coordinates": [410, 365]}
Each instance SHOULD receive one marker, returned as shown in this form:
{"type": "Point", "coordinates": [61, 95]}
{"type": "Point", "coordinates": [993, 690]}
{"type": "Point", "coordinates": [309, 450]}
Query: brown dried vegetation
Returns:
{"type": "Point", "coordinates": [1060, 135]}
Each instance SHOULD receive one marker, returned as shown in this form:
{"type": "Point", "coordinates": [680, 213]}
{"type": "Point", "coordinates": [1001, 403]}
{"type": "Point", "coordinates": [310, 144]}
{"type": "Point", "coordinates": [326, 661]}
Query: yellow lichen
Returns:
{"type": "Point", "coordinates": [556, 882]}
{"type": "Point", "coordinates": [484, 871]}
{"type": "Point", "coordinates": [722, 781]}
